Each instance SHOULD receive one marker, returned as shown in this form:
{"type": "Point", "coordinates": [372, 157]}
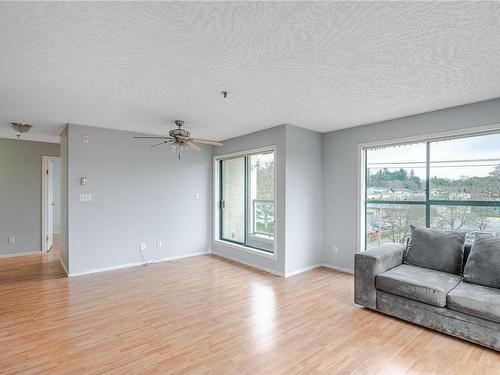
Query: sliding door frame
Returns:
{"type": "Point", "coordinates": [217, 216]}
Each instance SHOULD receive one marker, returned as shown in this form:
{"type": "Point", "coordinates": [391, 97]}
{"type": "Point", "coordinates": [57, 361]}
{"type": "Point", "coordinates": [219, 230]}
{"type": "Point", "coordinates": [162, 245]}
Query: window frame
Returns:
{"type": "Point", "coordinates": [363, 201]}
{"type": "Point", "coordinates": [217, 169]}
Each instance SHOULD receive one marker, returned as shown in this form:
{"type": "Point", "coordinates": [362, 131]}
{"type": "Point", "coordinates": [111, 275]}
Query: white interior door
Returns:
{"type": "Point", "coordinates": [50, 211]}
{"type": "Point", "coordinates": [49, 199]}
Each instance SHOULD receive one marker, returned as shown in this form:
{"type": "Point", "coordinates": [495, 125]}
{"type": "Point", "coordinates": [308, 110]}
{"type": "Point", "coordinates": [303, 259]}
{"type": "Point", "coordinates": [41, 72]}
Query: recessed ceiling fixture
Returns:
{"type": "Point", "coordinates": [180, 140]}
{"type": "Point", "coordinates": [20, 127]}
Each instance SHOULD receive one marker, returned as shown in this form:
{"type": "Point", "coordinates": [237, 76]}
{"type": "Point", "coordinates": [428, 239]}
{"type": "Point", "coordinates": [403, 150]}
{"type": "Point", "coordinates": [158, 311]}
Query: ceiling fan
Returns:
{"type": "Point", "coordinates": [179, 140]}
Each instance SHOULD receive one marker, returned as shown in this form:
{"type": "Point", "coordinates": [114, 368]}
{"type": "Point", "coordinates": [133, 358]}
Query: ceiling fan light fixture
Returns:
{"type": "Point", "coordinates": [177, 147]}
{"type": "Point", "coordinates": [179, 140]}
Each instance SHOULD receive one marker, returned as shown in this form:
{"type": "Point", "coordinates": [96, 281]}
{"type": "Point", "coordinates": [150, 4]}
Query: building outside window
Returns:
{"type": "Point", "coordinates": [450, 184]}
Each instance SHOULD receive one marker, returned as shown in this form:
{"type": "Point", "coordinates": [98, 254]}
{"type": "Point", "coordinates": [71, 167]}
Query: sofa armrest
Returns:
{"type": "Point", "coordinates": [369, 264]}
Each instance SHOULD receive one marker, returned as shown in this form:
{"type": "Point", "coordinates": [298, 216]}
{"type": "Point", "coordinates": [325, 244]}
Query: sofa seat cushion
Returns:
{"type": "Point", "coordinates": [476, 300]}
{"type": "Point", "coordinates": [417, 283]}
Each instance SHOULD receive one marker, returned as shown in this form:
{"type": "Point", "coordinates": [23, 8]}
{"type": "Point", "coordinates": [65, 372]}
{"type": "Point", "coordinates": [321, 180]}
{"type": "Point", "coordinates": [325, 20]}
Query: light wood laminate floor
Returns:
{"type": "Point", "coordinates": [208, 315]}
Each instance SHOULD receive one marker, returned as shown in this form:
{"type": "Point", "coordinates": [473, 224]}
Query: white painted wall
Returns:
{"type": "Point", "coordinates": [138, 195]}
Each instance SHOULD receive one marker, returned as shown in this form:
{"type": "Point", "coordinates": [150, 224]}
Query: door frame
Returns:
{"type": "Point", "coordinates": [46, 200]}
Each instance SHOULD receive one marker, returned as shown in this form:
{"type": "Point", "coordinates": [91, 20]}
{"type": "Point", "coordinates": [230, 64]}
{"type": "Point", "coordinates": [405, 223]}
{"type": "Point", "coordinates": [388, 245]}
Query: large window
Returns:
{"type": "Point", "coordinates": [246, 205]}
{"type": "Point", "coordinates": [451, 184]}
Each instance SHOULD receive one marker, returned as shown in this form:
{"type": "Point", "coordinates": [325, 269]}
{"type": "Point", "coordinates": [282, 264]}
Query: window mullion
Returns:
{"type": "Point", "coordinates": [221, 197]}
{"type": "Point", "coordinates": [245, 224]}
{"type": "Point", "coordinates": [366, 195]}
{"type": "Point", "coordinates": [427, 185]}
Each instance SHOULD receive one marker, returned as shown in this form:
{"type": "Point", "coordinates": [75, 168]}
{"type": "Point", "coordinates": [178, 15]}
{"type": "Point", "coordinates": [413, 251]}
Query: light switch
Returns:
{"type": "Point", "coordinates": [197, 196]}
{"type": "Point", "coordinates": [85, 197]}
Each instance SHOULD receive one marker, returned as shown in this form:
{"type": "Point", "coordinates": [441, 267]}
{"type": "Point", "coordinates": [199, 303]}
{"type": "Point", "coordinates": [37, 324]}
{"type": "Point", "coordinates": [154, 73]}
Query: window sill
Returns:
{"type": "Point", "coordinates": [247, 249]}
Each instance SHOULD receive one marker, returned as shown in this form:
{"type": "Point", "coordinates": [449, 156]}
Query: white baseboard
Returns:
{"type": "Point", "coordinates": [337, 268]}
{"type": "Point", "coordinates": [135, 264]}
{"type": "Point", "coordinates": [286, 274]}
{"type": "Point", "coordinates": [250, 264]}
{"type": "Point", "coordinates": [308, 268]}
{"type": "Point", "coordinates": [63, 266]}
{"type": "Point", "coordinates": [27, 253]}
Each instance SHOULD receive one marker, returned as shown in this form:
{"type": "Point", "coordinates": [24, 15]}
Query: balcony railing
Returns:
{"type": "Point", "coordinates": [263, 217]}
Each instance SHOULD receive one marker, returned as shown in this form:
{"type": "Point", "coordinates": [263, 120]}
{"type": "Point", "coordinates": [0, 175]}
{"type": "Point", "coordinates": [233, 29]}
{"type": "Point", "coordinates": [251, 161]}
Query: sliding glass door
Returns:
{"type": "Point", "coordinates": [247, 206]}
{"type": "Point", "coordinates": [233, 210]}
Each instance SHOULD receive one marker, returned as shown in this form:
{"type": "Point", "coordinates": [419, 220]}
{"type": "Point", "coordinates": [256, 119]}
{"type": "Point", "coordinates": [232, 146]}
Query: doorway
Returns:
{"type": "Point", "coordinates": [51, 200]}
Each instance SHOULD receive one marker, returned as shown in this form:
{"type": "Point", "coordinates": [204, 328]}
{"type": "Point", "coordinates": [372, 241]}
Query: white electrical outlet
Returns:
{"type": "Point", "coordinates": [335, 250]}
{"type": "Point", "coordinates": [143, 246]}
{"type": "Point", "coordinates": [12, 240]}
{"type": "Point", "coordinates": [158, 244]}
{"type": "Point", "coordinates": [85, 139]}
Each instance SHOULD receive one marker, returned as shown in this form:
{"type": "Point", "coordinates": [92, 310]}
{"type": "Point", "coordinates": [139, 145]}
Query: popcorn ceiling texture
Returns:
{"type": "Point", "coordinates": [322, 66]}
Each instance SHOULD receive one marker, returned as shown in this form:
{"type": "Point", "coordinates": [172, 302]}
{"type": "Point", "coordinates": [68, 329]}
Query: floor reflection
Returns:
{"type": "Point", "coordinates": [263, 317]}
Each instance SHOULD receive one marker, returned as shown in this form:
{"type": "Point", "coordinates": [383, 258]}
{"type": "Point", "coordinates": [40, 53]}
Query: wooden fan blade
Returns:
{"type": "Point", "coordinates": [159, 144]}
{"type": "Point", "coordinates": [193, 145]}
{"type": "Point", "coordinates": [154, 137]}
{"type": "Point", "coordinates": [207, 142]}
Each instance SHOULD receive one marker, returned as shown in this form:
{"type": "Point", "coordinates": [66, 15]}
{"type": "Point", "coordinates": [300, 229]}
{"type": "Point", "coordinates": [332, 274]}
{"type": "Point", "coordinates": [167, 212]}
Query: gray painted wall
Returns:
{"type": "Point", "coordinates": [274, 136]}
{"type": "Point", "coordinates": [56, 195]}
{"type": "Point", "coordinates": [138, 195]}
{"type": "Point", "coordinates": [299, 193]}
{"type": "Point", "coordinates": [21, 194]}
{"type": "Point", "coordinates": [340, 168]}
{"type": "Point", "coordinates": [64, 245]}
{"type": "Point", "coordinates": [303, 198]}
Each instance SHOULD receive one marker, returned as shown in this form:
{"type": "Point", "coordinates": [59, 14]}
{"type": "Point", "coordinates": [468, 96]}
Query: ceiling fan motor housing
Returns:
{"type": "Point", "coordinates": [181, 133]}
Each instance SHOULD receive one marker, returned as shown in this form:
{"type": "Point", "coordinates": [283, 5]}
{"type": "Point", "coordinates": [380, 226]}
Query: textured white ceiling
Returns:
{"type": "Point", "coordinates": [322, 66]}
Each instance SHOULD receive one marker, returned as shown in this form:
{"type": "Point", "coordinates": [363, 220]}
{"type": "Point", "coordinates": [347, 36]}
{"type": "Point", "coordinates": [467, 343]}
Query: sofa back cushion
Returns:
{"type": "Point", "coordinates": [483, 265]}
{"type": "Point", "coordinates": [436, 249]}
{"type": "Point", "coordinates": [467, 247]}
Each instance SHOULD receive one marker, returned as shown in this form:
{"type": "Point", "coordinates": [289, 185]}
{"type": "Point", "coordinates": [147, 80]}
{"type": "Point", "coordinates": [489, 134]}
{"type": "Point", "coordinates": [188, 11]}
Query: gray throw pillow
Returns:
{"type": "Point", "coordinates": [483, 265]}
{"type": "Point", "coordinates": [436, 249]}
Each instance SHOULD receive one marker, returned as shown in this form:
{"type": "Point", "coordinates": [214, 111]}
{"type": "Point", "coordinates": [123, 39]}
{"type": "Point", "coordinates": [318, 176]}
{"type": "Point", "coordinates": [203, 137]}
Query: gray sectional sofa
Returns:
{"type": "Point", "coordinates": [436, 280]}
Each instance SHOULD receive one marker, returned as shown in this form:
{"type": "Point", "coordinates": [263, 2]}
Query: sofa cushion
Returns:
{"type": "Point", "coordinates": [435, 249]}
{"type": "Point", "coordinates": [475, 300]}
{"type": "Point", "coordinates": [417, 283]}
{"type": "Point", "coordinates": [467, 248]}
{"type": "Point", "coordinates": [483, 264]}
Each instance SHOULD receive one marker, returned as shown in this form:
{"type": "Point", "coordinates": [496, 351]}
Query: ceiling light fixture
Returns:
{"type": "Point", "coordinates": [20, 128]}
